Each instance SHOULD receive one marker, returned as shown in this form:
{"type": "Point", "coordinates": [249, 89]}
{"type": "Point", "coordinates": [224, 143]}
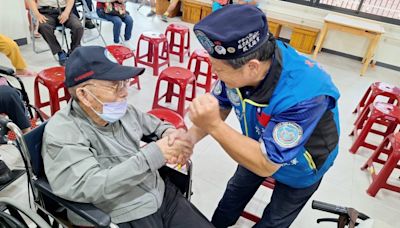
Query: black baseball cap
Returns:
{"type": "Point", "coordinates": [96, 62]}
{"type": "Point", "coordinates": [233, 31]}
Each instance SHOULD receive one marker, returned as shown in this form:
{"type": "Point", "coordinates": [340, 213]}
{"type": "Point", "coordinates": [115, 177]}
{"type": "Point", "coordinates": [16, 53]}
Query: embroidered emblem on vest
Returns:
{"type": "Point", "coordinates": [287, 134]}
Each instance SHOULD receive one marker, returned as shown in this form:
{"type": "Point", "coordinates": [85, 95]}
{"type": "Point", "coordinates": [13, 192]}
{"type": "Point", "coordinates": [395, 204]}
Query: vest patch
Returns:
{"type": "Point", "coordinates": [287, 134]}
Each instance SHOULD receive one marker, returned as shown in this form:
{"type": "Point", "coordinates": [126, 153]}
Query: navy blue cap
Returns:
{"type": "Point", "coordinates": [96, 62]}
{"type": "Point", "coordinates": [233, 31]}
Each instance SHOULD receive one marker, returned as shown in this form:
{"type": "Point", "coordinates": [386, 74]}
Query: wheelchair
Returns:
{"type": "Point", "coordinates": [14, 217]}
{"type": "Point", "coordinates": [16, 82]}
{"type": "Point", "coordinates": [347, 216]}
{"type": "Point", "coordinates": [53, 208]}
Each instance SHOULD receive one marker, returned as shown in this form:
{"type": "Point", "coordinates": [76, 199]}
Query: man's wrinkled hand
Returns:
{"type": "Point", "coordinates": [41, 18]}
{"type": "Point", "coordinates": [63, 17]}
{"type": "Point", "coordinates": [204, 112]}
{"type": "Point", "coordinates": [178, 152]}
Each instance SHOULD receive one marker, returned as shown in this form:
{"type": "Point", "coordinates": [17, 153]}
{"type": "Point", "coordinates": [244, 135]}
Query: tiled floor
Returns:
{"type": "Point", "coordinates": [345, 184]}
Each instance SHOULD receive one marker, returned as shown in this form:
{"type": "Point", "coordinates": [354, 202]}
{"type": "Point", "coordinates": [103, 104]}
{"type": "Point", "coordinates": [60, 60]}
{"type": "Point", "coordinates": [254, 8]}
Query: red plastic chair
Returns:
{"type": "Point", "coordinates": [169, 116]}
{"type": "Point", "coordinates": [269, 182]}
{"type": "Point", "coordinates": [384, 114]}
{"type": "Point", "coordinates": [379, 89]}
{"type": "Point", "coordinates": [198, 57]}
{"type": "Point", "coordinates": [379, 180]}
{"type": "Point", "coordinates": [184, 32]}
{"type": "Point", "coordinates": [122, 53]}
{"type": "Point", "coordinates": [175, 76]}
{"type": "Point", "coordinates": [53, 79]}
{"type": "Point", "coordinates": [154, 54]}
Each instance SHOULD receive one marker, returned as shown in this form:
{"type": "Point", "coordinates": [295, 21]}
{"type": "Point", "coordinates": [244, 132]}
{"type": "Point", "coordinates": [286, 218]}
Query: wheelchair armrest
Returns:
{"type": "Point", "coordinates": [6, 71]}
{"type": "Point", "coordinates": [87, 211]}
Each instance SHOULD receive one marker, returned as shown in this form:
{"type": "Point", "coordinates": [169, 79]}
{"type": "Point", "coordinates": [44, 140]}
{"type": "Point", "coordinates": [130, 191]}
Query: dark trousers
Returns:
{"type": "Point", "coordinates": [47, 29]}
{"type": "Point", "coordinates": [285, 204]}
{"type": "Point", "coordinates": [175, 212]}
{"type": "Point", "coordinates": [12, 105]}
{"type": "Point", "coordinates": [117, 22]}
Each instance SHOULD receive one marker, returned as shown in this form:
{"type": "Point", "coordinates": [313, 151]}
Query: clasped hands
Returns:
{"type": "Point", "coordinates": [176, 146]}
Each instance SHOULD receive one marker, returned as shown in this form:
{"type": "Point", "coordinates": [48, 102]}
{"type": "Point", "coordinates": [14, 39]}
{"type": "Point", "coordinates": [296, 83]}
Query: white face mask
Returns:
{"type": "Point", "coordinates": [112, 111]}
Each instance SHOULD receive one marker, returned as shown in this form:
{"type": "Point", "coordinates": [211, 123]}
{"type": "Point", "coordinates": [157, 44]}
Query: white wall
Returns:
{"type": "Point", "coordinates": [388, 49]}
{"type": "Point", "coordinates": [13, 19]}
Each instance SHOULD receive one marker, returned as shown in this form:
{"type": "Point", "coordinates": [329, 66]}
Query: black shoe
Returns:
{"type": "Point", "coordinates": [62, 57]}
{"type": "Point", "coordinates": [5, 173]}
{"type": "Point", "coordinates": [89, 24]}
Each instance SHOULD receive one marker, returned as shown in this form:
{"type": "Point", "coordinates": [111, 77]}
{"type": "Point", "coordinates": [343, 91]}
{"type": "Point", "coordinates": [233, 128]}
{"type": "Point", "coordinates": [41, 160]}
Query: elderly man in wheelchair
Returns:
{"type": "Point", "coordinates": [92, 153]}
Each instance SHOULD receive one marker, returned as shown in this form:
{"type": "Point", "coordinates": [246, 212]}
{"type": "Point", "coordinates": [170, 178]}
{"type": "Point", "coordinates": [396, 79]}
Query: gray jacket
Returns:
{"type": "Point", "coordinates": [105, 166]}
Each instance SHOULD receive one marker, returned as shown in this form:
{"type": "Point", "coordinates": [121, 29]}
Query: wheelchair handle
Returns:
{"type": "Point", "coordinates": [331, 208]}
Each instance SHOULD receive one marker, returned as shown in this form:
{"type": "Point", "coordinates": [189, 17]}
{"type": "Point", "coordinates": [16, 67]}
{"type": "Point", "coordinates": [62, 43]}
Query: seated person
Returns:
{"type": "Point", "coordinates": [9, 48]}
{"type": "Point", "coordinates": [172, 5]}
{"type": "Point", "coordinates": [88, 23]}
{"type": "Point", "coordinates": [11, 103]}
{"type": "Point", "coordinates": [117, 22]}
{"type": "Point", "coordinates": [92, 154]}
{"type": "Point", "coordinates": [51, 13]}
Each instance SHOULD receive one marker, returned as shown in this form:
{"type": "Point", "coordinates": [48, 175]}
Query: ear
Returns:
{"type": "Point", "coordinates": [253, 67]}
{"type": "Point", "coordinates": [81, 94]}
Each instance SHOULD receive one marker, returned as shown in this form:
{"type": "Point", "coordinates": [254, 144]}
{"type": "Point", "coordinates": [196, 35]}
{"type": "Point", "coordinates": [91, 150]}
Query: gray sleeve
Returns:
{"type": "Point", "coordinates": [75, 174]}
{"type": "Point", "coordinates": [151, 124]}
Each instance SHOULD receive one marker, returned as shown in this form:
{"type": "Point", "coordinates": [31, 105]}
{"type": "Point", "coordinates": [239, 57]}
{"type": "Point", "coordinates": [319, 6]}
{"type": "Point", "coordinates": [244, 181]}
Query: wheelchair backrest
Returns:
{"type": "Point", "coordinates": [33, 141]}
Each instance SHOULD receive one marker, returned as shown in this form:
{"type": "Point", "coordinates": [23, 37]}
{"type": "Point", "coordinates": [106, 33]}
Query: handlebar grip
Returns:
{"type": "Point", "coordinates": [327, 207]}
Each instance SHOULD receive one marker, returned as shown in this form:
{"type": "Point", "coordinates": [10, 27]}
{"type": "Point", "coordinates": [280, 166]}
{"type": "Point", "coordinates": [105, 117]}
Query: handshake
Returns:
{"type": "Point", "coordinates": [176, 146]}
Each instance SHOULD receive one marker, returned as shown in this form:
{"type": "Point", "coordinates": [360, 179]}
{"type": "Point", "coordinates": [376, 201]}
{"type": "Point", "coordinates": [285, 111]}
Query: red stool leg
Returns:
{"type": "Point", "coordinates": [380, 180]}
{"type": "Point", "coordinates": [181, 101]}
{"type": "Point", "coordinates": [361, 104]}
{"type": "Point", "coordinates": [156, 95]}
{"type": "Point", "coordinates": [155, 59]}
{"type": "Point", "coordinates": [170, 92]}
{"type": "Point", "coordinates": [182, 47]}
{"type": "Point", "coordinates": [363, 135]}
{"type": "Point", "coordinates": [188, 43]}
{"type": "Point", "coordinates": [54, 100]}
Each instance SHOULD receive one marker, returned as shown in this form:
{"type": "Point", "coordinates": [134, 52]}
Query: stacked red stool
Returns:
{"type": "Point", "coordinates": [122, 53]}
{"type": "Point", "coordinates": [53, 79]}
{"type": "Point", "coordinates": [169, 116]}
{"type": "Point", "coordinates": [393, 152]}
{"type": "Point", "coordinates": [379, 89]}
{"type": "Point", "coordinates": [154, 54]}
{"type": "Point", "coordinates": [175, 76]}
{"type": "Point", "coordinates": [384, 114]}
{"type": "Point", "coordinates": [269, 182]}
{"type": "Point", "coordinates": [198, 57]}
{"type": "Point", "coordinates": [184, 42]}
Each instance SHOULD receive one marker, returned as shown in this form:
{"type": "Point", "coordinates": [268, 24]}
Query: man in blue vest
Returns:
{"type": "Point", "coordinates": [287, 108]}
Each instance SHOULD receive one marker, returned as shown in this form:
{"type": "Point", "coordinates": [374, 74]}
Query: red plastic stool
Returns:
{"type": "Point", "coordinates": [175, 76]}
{"type": "Point", "coordinates": [53, 79]}
{"type": "Point", "coordinates": [393, 152]}
{"type": "Point", "coordinates": [375, 90]}
{"type": "Point", "coordinates": [183, 48]}
{"type": "Point", "coordinates": [154, 54]}
{"type": "Point", "coordinates": [122, 53]}
{"type": "Point", "coordinates": [269, 182]}
{"type": "Point", "coordinates": [169, 116]}
{"type": "Point", "coordinates": [377, 113]}
{"type": "Point", "coordinates": [201, 56]}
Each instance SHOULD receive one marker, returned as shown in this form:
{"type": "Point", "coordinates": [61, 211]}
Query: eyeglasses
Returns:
{"type": "Point", "coordinates": [116, 86]}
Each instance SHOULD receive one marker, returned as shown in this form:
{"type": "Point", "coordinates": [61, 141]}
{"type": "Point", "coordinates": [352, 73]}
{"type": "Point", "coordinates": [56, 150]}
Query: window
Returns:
{"type": "Point", "coordinates": [380, 10]}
